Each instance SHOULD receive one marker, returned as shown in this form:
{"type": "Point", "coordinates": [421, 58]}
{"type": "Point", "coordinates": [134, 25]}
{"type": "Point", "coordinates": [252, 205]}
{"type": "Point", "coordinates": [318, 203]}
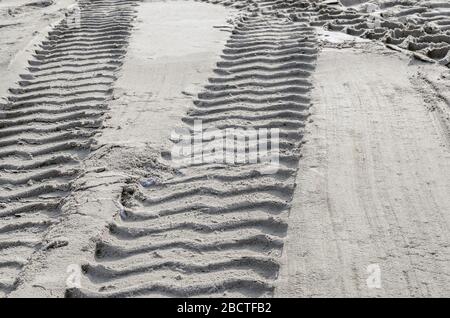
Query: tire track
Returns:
{"type": "Point", "coordinates": [48, 122]}
{"type": "Point", "coordinates": [420, 27]}
{"type": "Point", "coordinates": [229, 220]}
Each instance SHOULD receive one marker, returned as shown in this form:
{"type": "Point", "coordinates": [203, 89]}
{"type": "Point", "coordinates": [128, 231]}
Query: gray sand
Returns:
{"type": "Point", "coordinates": [94, 204]}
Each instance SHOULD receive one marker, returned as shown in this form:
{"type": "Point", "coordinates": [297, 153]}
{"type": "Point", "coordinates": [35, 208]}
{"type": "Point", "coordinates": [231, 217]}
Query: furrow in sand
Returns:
{"type": "Point", "coordinates": [267, 76]}
{"type": "Point", "coordinates": [57, 101]}
{"type": "Point", "coordinates": [244, 174]}
{"type": "Point", "coordinates": [88, 35]}
{"type": "Point", "coordinates": [92, 62]}
{"type": "Point", "coordinates": [30, 153]}
{"type": "Point", "coordinates": [77, 45]}
{"type": "Point", "coordinates": [258, 124]}
{"type": "Point", "coordinates": [47, 123]}
{"type": "Point", "coordinates": [225, 180]}
{"type": "Point", "coordinates": [43, 162]}
{"type": "Point", "coordinates": [36, 139]}
{"type": "Point", "coordinates": [23, 226]}
{"type": "Point", "coordinates": [32, 83]}
{"type": "Point", "coordinates": [38, 96]}
{"type": "Point", "coordinates": [243, 286]}
{"type": "Point", "coordinates": [267, 206]}
{"type": "Point", "coordinates": [48, 119]}
{"type": "Point", "coordinates": [262, 243]}
{"type": "Point", "coordinates": [48, 128]}
{"type": "Point", "coordinates": [48, 109]}
{"type": "Point", "coordinates": [268, 225]}
{"type": "Point", "coordinates": [251, 43]}
{"type": "Point", "coordinates": [268, 50]}
{"type": "Point", "coordinates": [265, 266]}
{"type": "Point", "coordinates": [234, 268]}
{"type": "Point", "coordinates": [80, 50]}
{"type": "Point", "coordinates": [67, 72]}
{"type": "Point", "coordinates": [38, 176]}
{"type": "Point", "coordinates": [249, 89]}
{"type": "Point", "coordinates": [89, 30]}
{"type": "Point", "coordinates": [245, 114]}
{"type": "Point", "coordinates": [289, 57]}
{"type": "Point", "coordinates": [34, 191]}
{"type": "Point", "coordinates": [268, 35]}
{"type": "Point", "coordinates": [76, 54]}
{"type": "Point", "coordinates": [306, 52]}
{"type": "Point", "coordinates": [276, 189]}
{"type": "Point", "coordinates": [251, 100]}
{"type": "Point", "coordinates": [258, 46]}
{"type": "Point", "coordinates": [39, 60]}
{"type": "Point", "coordinates": [212, 89]}
{"type": "Point", "coordinates": [285, 135]}
{"type": "Point", "coordinates": [16, 209]}
{"type": "Point", "coordinates": [216, 217]}
{"type": "Point", "coordinates": [57, 85]}
{"type": "Point", "coordinates": [230, 203]}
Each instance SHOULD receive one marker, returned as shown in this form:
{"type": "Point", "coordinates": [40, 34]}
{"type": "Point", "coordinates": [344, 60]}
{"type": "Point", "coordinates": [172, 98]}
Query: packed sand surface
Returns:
{"type": "Point", "coordinates": [158, 81]}
{"type": "Point", "coordinates": [370, 187]}
{"type": "Point", "coordinates": [98, 95]}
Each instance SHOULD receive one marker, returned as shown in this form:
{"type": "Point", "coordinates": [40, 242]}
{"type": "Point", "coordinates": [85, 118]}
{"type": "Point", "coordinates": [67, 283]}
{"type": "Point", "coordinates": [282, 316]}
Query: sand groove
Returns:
{"type": "Point", "coordinates": [48, 121]}
{"type": "Point", "coordinates": [170, 236]}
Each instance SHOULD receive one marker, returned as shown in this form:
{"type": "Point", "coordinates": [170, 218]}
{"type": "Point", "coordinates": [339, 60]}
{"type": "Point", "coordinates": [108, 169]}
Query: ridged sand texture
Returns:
{"type": "Point", "coordinates": [47, 125]}
{"type": "Point", "coordinates": [418, 26]}
{"type": "Point", "coordinates": [170, 238]}
{"type": "Point", "coordinates": [228, 221]}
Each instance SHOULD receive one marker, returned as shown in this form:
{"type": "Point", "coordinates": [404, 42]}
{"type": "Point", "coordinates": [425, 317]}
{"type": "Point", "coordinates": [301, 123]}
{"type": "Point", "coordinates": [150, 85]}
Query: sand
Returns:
{"type": "Point", "coordinates": [159, 81]}
{"type": "Point", "coordinates": [370, 187]}
{"type": "Point", "coordinates": [24, 24]}
{"type": "Point", "coordinates": [421, 27]}
{"type": "Point", "coordinates": [94, 204]}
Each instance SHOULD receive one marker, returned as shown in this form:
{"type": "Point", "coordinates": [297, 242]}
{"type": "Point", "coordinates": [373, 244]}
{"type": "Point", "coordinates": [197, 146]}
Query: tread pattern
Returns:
{"type": "Point", "coordinates": [419, 26]}
{"type": "Point", "coordinates": [169, 237]}
{"type": "Point", "coordinates": [47, 125]}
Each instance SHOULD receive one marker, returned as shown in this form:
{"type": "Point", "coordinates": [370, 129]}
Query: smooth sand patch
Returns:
{"type": "Point", "coordinates": [171, 55]}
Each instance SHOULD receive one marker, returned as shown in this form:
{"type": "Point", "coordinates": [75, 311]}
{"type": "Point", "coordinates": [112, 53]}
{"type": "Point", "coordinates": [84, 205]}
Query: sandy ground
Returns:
{"type": "Point", "coordinates": [159, 81]}
{"type": "Point", "coordinates": [23, 24]}
{"type": "Point", "coordinates": [150, 97]}
{"type": "Point", "coordinates": [419, 26]}
{"type": "Point", "coordinates": [92, 204]}
{"type": "Point", "coordinates": [372, 186]}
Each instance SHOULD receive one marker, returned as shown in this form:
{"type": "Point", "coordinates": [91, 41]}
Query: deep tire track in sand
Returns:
{"type": "Point", "coordinates": [420, 27]}
{"type": "Point", "coordinates": [47, 125]}
{"type": "Point", "coordinates": [169, 238]}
